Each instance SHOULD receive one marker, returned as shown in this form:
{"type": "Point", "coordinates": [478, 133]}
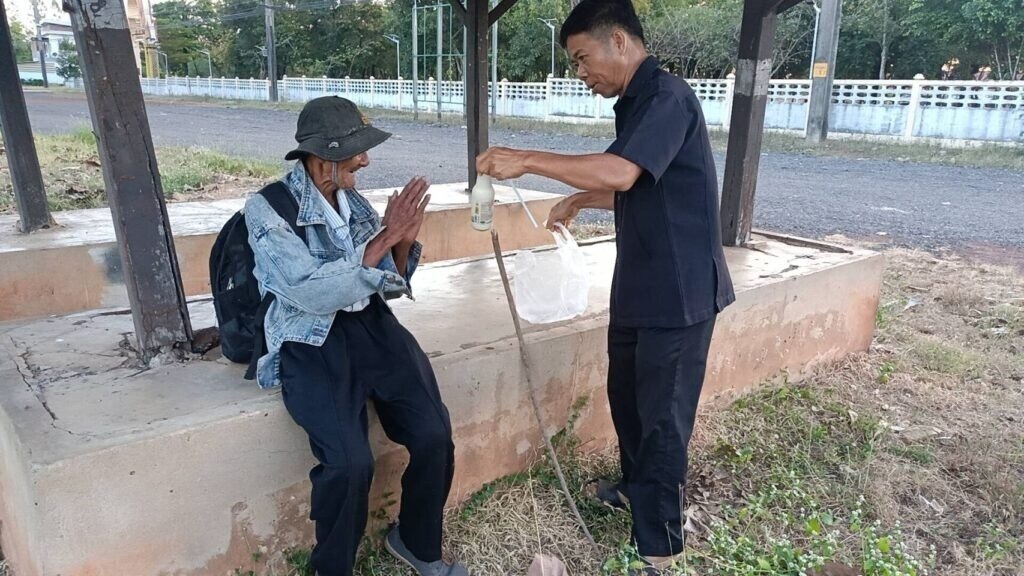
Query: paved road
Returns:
{"type": "Point", "coordinates": [920, 205]}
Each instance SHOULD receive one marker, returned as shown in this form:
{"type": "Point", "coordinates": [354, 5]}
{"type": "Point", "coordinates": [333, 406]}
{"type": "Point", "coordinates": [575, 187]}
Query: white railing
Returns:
{"type": "Point", "coordinates": [992, 111]}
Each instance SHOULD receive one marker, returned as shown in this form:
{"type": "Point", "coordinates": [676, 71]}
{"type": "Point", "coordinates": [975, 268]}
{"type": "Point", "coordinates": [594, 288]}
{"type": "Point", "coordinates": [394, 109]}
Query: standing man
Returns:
{"type": "Point", "coordinates": [671, 279]}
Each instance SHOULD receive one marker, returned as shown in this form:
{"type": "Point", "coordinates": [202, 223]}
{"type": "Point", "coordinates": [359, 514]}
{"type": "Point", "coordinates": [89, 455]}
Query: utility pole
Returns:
{"type": "Point", "coordinates": [398, 53]}
{"type": "Point", "coordinates": [494, 70]}
{"type": "Point", "coordinates": [550, 23]}
{"type": "Point", "coordinates": [209, 62]}
{"type": "Point", "coordinates": [271, 42]}
{"type": "Point", "coordinates": [440, 58]}
{"type": "Point", "coordinates": [415, 61]}
{"type": "Point", "coordinates": [40, 43]}
{"type": "Point", "coordinates": [823, 70]}
{"type": "Point", "coordinates": [29, 193]}
{"type": "Point", "coordinates": [814, 40]}
{"type": "Point", "coordinates": [149, 264]}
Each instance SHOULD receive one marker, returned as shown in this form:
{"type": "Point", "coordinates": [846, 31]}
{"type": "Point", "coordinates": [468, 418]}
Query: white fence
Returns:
{"type": "Point", "coordinates": [988, 111]}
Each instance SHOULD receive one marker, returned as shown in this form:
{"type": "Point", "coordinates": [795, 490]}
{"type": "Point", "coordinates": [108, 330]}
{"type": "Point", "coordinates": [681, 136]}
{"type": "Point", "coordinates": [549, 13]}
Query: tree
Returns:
{"type": "Point", "coordinates": [875, 26]}
{"type": "Point", "coordinates": [999, 26]}
{"type": "Point", "coordinates": [22, 45]}
{"type": "Point", "coordinates": [68, 66]}
{"type": "Point", "coordinates": [700, 38]}
{"type": "Point", "coordinates": [186, 28]}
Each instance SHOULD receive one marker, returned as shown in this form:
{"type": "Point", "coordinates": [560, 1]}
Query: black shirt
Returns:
{"type": "Point", "coordinates": [670, 271]}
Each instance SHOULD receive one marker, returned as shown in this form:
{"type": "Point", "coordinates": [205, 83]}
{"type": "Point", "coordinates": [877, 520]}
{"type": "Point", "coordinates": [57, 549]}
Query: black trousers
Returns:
{"type": "Point", "coordinates": [368, 355]}
{"type": "Point", "coordinates": [655, 377]}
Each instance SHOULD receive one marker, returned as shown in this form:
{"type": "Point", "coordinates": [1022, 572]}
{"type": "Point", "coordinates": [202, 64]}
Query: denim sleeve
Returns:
{"type": "Point", "coordinates": [285, 267]}
{"type": "Point", "coordinates": [388, 264]}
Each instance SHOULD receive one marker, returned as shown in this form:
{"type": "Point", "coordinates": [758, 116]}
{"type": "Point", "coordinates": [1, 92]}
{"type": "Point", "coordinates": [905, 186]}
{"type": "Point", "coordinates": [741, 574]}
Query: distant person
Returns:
{"type": "Point", "coordinates": [671, 280]}
{"type": "Point", "coordinates": [333, 343]}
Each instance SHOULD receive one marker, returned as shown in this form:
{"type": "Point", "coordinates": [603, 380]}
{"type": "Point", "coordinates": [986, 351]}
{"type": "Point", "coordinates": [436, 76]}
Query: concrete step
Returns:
{"type": "Point", "coordinates": [37, 267]}
{"type": "Point", "coordinates": [107, 469]}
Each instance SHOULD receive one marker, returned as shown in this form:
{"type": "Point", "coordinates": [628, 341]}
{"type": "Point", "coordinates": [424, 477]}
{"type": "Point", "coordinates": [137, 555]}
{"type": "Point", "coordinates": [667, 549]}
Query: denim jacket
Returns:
{"type": "Point", "coordinates": [312, 281]}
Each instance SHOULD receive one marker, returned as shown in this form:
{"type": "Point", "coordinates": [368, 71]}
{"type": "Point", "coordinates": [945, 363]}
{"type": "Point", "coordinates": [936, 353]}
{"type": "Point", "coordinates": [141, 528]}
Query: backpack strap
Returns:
{"type": "Point", "coordinates": [282, 201]}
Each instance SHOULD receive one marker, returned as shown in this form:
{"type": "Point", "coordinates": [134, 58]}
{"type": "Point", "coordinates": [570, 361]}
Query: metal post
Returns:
{"type": "Point", "coordinates": [814, 41]}
{"type": "Point", "coordinates": [149, 265]}
{"type": "Point", "coordinates": [494, 70]}
{"type": "Point", "coordinates": [550, 23]}
{"type": "Point", "coordinates": [167, 66]}
{"type": "Point", "coordinates": [823, 70]}
{"type": "Point", "coordinates": [746, 128]}
{"type": "Point", "coordinates": [440, 59]}
{"type": "Point", "coordinates": [29, 192]}
{"type": "Point", "coordinates": [415, 61]}
{"type": "Point", "coordinates": [477, 22]}
{"type": "Point", "coordinates": [271, 40]}
{"type": "Point", "coordinates": [398, 54]}
{"type": "Point", "coordinates": [209, 62]}
{"type": "Point", "coordinates": [41, 44]}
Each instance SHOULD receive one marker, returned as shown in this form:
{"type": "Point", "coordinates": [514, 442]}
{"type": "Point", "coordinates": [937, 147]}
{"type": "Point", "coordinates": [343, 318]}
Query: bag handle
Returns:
{"type": "Point", "coordinates": [562, 236]}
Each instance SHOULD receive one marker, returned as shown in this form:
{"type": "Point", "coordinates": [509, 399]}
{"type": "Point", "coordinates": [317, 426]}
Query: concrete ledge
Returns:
{"type": "Point", "coordinates": [37, 266]}
{"type": "Point", "coordinates": [185, 469]}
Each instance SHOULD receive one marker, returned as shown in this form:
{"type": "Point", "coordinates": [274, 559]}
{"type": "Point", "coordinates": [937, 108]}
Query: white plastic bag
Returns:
{"type": "Point", "coordinates": [552, 285]}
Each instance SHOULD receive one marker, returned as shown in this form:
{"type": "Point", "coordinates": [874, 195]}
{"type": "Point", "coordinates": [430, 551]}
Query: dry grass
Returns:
{"type": "Point", "coordinates": [910, 456]}
{"type": "Point", "coordinates": [73, 178]}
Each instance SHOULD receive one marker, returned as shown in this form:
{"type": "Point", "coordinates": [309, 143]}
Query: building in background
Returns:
{"type": "Point", "coordinates": [55, 26]}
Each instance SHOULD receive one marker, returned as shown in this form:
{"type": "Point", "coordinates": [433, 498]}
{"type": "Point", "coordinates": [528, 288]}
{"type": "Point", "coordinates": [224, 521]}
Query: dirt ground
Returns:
{"type": "Point", "coordinates": [905, 460]}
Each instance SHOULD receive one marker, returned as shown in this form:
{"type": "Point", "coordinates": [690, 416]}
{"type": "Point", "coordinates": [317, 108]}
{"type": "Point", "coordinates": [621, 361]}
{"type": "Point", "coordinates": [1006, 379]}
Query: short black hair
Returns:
{"type": "Point", "coordinates": [597, 15]}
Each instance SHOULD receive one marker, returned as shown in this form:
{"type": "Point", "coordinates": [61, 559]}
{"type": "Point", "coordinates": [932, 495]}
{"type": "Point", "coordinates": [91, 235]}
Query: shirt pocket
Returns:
{"type": "Point", "coordinates": [326, 248]}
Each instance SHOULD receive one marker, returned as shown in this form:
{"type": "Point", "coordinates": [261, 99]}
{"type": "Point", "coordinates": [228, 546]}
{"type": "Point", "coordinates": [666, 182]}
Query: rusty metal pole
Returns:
{"type": "Point", "coordinates": [29, 192]}
{"type": "Point", "coordinates": [134, 192]}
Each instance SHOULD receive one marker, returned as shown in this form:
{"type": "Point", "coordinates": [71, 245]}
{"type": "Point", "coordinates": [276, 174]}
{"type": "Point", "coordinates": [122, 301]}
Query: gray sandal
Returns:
{"type": "Point", "coordinates": [393, 544]}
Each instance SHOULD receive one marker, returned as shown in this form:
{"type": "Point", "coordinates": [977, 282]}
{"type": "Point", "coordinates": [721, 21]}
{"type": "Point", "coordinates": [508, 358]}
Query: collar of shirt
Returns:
{"type": "Point", "coordinates": [643, 73]}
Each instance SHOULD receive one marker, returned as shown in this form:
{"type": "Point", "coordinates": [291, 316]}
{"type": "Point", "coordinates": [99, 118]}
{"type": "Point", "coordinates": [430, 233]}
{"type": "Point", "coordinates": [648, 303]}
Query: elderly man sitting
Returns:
{"type": "Point", "coordinates": [333, 343]}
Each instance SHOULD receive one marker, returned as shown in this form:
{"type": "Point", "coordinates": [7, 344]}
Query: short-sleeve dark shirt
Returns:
{"type": "Point", "coordinates": [670, 271]}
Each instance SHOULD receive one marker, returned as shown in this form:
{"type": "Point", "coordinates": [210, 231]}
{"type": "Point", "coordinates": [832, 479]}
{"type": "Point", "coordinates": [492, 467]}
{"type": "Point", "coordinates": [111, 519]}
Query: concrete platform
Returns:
{"type": "Point", "coordinates": [37, 266]}
{"type": "Point", "coordinates": [107, 469]}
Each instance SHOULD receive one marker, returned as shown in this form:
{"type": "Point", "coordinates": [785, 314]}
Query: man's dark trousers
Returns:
{"type": "Point", "coordinates": [655, 376]}
{"type": "Point", "coordinates": [368, 355]}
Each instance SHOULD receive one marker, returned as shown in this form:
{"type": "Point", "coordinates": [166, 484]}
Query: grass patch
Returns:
{"type": "Point", "coordinates": [73, 178]}
{"type": "Point", "coordinates": [947, 359]}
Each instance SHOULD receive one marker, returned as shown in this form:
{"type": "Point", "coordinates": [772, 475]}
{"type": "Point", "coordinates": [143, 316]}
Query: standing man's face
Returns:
{"type": "Point", "coordinates": [599, 60]}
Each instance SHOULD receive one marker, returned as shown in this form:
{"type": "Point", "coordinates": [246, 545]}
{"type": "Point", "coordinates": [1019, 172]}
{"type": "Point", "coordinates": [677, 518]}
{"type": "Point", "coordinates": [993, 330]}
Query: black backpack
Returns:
{"type": "Point", "coordinates": [236, 294]}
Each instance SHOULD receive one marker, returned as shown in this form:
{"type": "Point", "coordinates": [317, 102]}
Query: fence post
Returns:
{"type": "Point", "coordinates": [912, 110]}
{"type": "Point", "coordinates": [373, 91]}
{"type": "Point", "coordinates": [188, 85]}
{"type": "Point", "coordinates": [504, 96]}
{"type": "Point", "coordinates": [730, 87]}
{"type": "Point", "coordinates": [549, 91]}
{"type": "Point", "coordinates": [597, 106]}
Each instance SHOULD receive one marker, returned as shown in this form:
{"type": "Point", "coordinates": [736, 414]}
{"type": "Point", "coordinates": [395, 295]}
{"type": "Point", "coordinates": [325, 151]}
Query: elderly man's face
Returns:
{"type": "Point", "coordinates": [329, 180]}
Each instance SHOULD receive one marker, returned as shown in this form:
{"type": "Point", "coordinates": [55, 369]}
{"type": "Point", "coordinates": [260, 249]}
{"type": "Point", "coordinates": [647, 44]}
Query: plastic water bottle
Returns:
{"type": "Point", "coordinates": [481, 203]}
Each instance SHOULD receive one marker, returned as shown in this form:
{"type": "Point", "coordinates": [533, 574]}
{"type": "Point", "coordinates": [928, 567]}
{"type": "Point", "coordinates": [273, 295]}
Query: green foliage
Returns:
{"type": "Point", "coordinates": [697, 38]}
{"type": "Point", "coordinates": [67, 61]}
{"type": "Point", "coordinates": [22, 46]}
